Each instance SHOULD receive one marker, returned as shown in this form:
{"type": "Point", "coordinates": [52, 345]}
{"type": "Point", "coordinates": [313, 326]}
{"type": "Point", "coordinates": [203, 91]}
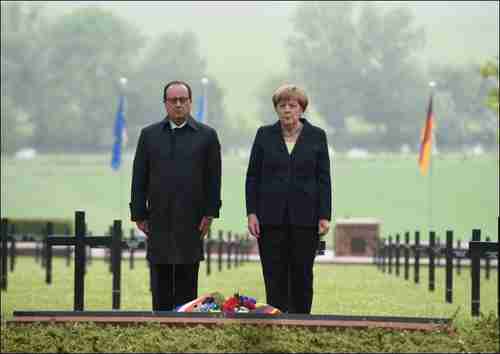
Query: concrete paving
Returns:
{"type": "Point", "coordinates": [328, 257]}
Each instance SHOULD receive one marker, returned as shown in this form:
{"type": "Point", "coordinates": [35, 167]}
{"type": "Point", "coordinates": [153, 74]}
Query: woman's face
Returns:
{"type": "Point", "coordinates": [289, 111]}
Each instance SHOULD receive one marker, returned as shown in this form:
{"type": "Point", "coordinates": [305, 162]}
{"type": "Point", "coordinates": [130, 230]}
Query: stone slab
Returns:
{"type": "Point", "coordinates": [211, 319]}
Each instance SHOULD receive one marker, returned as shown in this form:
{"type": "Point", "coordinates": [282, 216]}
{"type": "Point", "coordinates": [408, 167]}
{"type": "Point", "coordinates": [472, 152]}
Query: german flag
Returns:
{"type": "Point", "coordinates": [424, 158]}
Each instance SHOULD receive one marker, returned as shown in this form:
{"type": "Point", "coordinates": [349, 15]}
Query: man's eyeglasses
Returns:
{"type": "Point", "coordinates": [174, 100]}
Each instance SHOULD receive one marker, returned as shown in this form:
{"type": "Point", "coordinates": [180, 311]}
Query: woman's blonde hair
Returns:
{"type": "Point", "coordinates": [289, 91]}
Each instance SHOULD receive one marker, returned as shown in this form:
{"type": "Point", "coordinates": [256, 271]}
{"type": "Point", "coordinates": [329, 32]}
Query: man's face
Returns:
{"type": "Point", "coordinates": [177, 103]}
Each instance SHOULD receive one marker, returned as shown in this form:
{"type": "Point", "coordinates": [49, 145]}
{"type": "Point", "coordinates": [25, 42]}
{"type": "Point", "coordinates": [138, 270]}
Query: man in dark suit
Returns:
{"type": "Point", "coordinates": [288, 200]}
{"type": "Point", "coordinates": [176, 187]}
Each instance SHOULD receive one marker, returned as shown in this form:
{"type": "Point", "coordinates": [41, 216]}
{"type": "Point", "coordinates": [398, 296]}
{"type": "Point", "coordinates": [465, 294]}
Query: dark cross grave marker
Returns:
{"type": "Point", "coordinates": [49, 230]}
{"type": "Point", "coordinates": [80, 241]}
{"type": "Point", "coordinates": [381, 246]}
{"type": "Point", "coordinates": [407, 255]}
{"type": "Point", "coordinates": [132, 244]}
{"type": "Point", "coordinates": [451, 253]}
{"type": "Point", "coordinates": [380, 254]}
{"type": "Point", "coordinates": [8, 254]}
{"type": "Point", "coordinates": [449, 267]}
{"type": "Point", "coordinates": [219, 251]}
{"type": "Point", "coordinates": [416, 264]}
{"type": "Point", "coordinates": [438, 254]}
{"type": "Point", "coordinates": [390, 255]}
{"type": "Point", "coordinates": [398, 249]}
{"type": "Point", "coordinates": [442, 252]}
{"type": "Point", "coordinates": [432, 256]}
{"type": "Point", "coordinates": [48, 253]}
{"type": "Point", "coordinates": [3, 262]}
{"type": "Point", "coordinates": [477, 250]}
{"type": "Point", "coordinates": [236, 250]}
{"type": "Point", "coordinates": [228, 249]}
{"type": "Point", "coordinates": [476, 236]}
{"type": "Point", "coordinates": [459, 259]}
{"type": "Point", "coordinates": [43, 250]}
{"type": "Point", "coordinates": [384, 255]}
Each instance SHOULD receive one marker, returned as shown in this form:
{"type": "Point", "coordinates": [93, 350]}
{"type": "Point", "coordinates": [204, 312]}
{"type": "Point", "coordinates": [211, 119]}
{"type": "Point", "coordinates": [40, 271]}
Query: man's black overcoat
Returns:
{"type": "Point", "coordinates": [176, 181]}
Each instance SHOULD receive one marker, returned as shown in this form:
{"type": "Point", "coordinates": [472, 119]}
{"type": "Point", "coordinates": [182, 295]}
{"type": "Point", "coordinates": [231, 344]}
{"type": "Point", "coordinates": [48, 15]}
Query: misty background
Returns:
{"type": "Point", "coordinates": [366, 67]}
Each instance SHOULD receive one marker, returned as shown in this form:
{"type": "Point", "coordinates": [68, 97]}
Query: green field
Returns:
{"type": "Point", "coordinates": [339, 289]}
{"type": "Point", "coordinates": [390, 188]}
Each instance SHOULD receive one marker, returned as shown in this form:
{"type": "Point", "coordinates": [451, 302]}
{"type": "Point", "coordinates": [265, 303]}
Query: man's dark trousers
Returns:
{"type": "Point", "coordinates": [173, 285]}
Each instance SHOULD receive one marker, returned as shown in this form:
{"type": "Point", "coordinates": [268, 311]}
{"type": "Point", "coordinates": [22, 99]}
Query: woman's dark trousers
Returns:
{"type": "Point", "coordinates": [287, 255]}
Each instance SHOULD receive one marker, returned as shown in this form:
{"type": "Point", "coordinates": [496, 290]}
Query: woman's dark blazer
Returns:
{"type": "Point", "coordinates": [300, 181]}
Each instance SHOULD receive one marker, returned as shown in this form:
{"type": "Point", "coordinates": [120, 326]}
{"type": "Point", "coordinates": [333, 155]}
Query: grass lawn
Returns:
{"type": "Point", "coordinates": [339, 289]}
{"type": "Point", "coordinates": [464, 192]}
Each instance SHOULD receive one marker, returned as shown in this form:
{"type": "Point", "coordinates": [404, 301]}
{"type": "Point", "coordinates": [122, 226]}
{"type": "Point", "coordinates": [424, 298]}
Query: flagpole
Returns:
{"type": "Point", "coordinates": [204, 83]}
{"type": "Point", "coordinates": [432, 84]}
{"type": "Point", "coordinates": [123, 84]}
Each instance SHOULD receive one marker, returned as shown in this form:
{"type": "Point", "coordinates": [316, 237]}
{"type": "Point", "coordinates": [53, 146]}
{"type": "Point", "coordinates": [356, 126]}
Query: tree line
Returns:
{"type": "Point", "coordinates": [362, 65]}
{"type": "Point", "coordinates": [61, 79]}
{"type": "Point", "coordinates": [358, 62]}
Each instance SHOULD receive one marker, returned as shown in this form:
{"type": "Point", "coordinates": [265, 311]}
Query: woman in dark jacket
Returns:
{"type": "Point", "coordinates": [288, 200]}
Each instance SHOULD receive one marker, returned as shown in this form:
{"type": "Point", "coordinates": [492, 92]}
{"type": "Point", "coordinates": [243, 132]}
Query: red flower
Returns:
{"type": "Point", "coordinates": [230, 304]}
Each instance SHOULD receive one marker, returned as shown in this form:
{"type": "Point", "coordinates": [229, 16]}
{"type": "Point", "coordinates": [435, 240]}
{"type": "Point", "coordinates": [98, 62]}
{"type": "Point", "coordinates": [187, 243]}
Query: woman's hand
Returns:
{"type": "Point", "coordinates": [143, 226]}
{"type": "Point", "coordinates": [323, 227]}
{"type": "Point", "coordinates": [253, 225]}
